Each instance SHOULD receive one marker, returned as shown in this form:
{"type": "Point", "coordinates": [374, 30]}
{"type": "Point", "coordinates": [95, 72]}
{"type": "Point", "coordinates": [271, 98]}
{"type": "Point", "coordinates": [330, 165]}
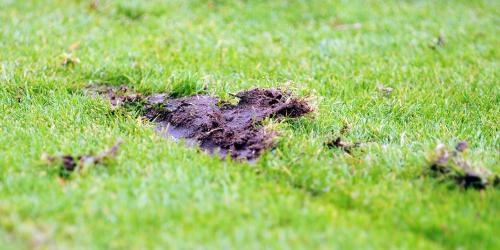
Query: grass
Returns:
{"type": "Point", "coordinates": [301, 195]}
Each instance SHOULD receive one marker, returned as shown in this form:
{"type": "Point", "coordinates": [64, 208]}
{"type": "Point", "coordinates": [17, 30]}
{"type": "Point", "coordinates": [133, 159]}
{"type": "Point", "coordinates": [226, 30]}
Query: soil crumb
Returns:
{"type": "Point", "coordinates": [215, 126]}
{"type": "Point", "coordinates": [70, 163]}
{"type": "Point", "coordinates": [448, 164]}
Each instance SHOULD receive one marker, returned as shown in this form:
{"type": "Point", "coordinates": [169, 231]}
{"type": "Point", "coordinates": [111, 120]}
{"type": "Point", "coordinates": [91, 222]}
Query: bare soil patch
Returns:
{"type": "Point", "coordinates": [215, 126]}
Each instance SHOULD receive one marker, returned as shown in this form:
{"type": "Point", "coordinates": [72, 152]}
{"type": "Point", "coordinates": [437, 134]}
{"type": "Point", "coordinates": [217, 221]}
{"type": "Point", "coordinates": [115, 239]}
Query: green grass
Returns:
{"type": "Point", "coordinates": [160, 194]}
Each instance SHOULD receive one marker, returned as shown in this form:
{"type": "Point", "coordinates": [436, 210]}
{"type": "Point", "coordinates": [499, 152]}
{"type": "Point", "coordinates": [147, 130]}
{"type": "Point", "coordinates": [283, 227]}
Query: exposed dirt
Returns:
{"type": "Point", "coordinates": [217, 127]}
{"type": "Point", "coordinates": [451, 165]}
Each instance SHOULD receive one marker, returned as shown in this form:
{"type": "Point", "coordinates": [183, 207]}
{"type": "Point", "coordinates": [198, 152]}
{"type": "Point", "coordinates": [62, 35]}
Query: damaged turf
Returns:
{"type": "Point", "coordinates": [446, 164]}
{"type": "Point", "coordinates": [217, 127]}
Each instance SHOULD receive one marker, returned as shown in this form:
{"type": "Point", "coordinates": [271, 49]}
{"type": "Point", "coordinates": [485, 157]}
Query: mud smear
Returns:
{"type": "Point", "coordinates": [448, 164]}
{"type": "Point", "coordinates": [215, 126]}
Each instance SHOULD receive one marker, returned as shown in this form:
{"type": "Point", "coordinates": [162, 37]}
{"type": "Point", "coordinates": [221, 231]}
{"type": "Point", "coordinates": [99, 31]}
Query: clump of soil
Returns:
{"type": "Point", "coordinates": [70, 163]}
{"type": "Point", "coordinates": [448, 164]}
{"type": "Point", "coordinates": [343, 145]}
{"type": "Point", "coordinates": [217, 127]}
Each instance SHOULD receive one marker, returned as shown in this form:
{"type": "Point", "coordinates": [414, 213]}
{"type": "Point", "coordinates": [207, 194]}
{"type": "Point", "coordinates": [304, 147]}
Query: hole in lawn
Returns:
{"type": "Point", "coordinates": [215, 126]}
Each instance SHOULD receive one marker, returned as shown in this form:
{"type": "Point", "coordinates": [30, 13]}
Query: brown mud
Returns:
{"type": "Point", "coordinates": [217, 127]}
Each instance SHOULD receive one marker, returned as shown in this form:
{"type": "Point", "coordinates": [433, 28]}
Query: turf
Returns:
{"type": "Point", "coordinates": [439, 57]}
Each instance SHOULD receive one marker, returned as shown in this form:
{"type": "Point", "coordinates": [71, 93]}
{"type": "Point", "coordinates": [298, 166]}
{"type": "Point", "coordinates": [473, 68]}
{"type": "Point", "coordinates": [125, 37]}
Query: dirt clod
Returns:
{"type": "Point", "coordinates": [345, 146]}
{"type": "Point", "coordinates": [70, 163]}
{"type": "Point", "coordinates": [451, 165]}
{"type": "Point", "coordinates": [217, 127]}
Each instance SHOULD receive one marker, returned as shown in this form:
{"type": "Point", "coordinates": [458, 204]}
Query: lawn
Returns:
{"type": "Point", "coordinates": [400, 77]}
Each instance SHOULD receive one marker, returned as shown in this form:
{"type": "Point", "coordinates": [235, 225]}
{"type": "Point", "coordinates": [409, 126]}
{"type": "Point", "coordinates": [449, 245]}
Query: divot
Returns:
{"type": "Point", "coordinates": [215, 126]}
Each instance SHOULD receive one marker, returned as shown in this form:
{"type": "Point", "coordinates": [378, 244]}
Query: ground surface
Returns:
{"type": "Point", "coordinates": [439, 57]}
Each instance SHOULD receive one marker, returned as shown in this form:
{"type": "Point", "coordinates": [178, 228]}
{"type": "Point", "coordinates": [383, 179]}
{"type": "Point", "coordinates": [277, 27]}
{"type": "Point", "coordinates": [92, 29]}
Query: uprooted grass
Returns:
{"type": "Point", "coordinates": [301, 195]}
